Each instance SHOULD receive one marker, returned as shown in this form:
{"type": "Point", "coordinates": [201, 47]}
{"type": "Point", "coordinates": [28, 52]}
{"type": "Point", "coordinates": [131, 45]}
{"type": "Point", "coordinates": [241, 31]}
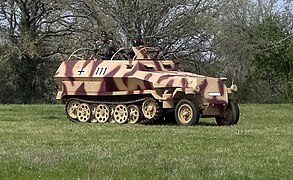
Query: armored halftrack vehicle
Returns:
{"type": "Point", "coordinates": [141, 89]}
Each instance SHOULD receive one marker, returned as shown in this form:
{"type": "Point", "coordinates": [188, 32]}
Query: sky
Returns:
{"type": "Point", "coordinates": [280, 4]}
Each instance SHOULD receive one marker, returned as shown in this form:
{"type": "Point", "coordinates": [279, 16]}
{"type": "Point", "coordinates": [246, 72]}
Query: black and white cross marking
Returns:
{"type": "Point", "coordinates": [81, 71]}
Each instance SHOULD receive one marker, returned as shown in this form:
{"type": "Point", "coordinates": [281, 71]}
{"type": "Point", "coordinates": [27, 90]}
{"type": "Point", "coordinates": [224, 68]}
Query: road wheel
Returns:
{"type": "Point", "coordinates": [102, 113]}
{"type": "Point", "coordinates": [134, 114]}
{"type": "Point", "coordinates": [186, 113]}
{"type": "Point", "coordinates": [83, 112]}
{"type": "Point", "coordinates": [71, 108]}
{"type": "Point", "coordinates": [151, 110]}
{"type": "Point", "coordinates": [120, 114]}
{"type": "Point", "coordinates": [231, 115]}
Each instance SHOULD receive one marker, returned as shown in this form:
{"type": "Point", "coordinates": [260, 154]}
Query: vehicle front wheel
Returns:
{"type": "Point", "coordinates": [230, 116]}
{"type": "Point", "coordinates": [186, 113]}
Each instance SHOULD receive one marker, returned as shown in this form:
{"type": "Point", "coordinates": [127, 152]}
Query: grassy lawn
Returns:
{"type": "Point", "coordinates": [37, 141]}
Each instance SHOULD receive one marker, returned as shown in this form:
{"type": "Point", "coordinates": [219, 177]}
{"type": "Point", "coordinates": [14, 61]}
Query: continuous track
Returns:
{"type": "Point", "coordinates": [138, 101]}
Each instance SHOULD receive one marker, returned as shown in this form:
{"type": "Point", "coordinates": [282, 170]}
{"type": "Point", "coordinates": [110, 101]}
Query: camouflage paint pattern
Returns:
{"type": "Point", "coordinates": [159, 78]}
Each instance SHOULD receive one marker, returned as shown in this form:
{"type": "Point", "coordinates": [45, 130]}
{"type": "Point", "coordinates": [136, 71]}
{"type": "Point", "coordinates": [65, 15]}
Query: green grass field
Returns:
{"type": "Point", "coordinates": [37, 141]}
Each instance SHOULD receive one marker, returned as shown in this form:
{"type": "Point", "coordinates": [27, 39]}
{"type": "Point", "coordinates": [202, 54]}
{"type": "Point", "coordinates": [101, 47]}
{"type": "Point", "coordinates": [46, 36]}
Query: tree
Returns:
{"type": "Point", "coordinates": [242, 37]}
{"type": "Point", "coordinates": [249, 41]}
{"type": "Point", "coordinates": [274, 63]}
{"type": "Point", "coordinates": [29, 29]}
{"type": "Point", "coordinates": [177, 27]}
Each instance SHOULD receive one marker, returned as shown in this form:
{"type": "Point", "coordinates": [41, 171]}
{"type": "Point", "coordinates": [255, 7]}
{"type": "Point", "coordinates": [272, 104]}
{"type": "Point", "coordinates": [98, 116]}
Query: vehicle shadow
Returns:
{"type": "Point", "coordinates": [174, 123]}
{"type": "Point", "coordinates": [207, 124]}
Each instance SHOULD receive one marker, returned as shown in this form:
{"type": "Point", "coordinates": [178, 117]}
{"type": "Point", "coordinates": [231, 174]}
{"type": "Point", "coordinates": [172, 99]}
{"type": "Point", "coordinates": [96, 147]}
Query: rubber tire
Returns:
{"type": "Point", "coordinates": [222, 121]}
{"type": "Point", "coordinates": [195, 110]}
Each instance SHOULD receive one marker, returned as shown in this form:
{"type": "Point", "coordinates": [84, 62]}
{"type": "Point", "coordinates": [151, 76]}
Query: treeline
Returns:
{"type": "Point", "coordinates": [248, 41]}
